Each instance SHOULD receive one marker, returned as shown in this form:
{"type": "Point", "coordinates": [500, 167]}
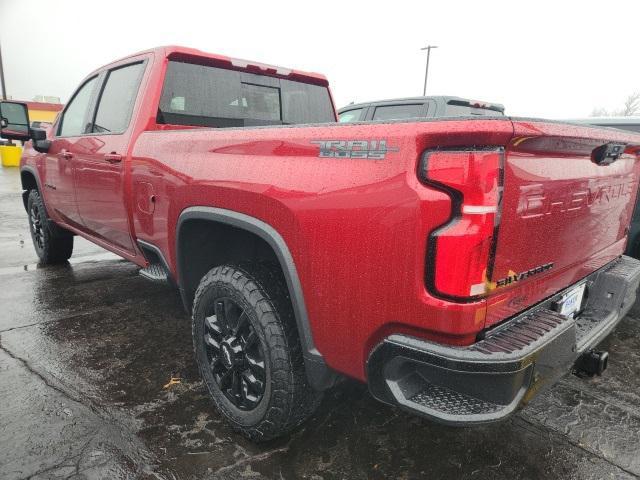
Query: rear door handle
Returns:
{"type": "Point", "coordinates": [65, 154]}
{"type": "Point", "coordinates": [113, 157]}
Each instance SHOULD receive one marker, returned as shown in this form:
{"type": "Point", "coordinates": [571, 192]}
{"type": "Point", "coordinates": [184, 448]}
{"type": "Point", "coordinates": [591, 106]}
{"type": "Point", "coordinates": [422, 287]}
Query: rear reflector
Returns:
{"type": "Point", "coordinates": [460, 252]}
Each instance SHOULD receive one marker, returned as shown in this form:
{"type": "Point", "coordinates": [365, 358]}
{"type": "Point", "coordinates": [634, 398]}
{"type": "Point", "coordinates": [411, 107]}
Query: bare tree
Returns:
{"type": "Point", "coordinates": [631, 105]}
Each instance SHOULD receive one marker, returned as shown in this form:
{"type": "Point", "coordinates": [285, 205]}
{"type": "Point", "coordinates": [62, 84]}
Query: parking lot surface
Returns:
{"type": "Point", "coordinates": [88, 351]}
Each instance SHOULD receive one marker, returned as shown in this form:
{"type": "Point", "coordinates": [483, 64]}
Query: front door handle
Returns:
{"type": "Point", "coordinates": [113, 157]}
{"type": "Point", "coordinates": [65, 154]}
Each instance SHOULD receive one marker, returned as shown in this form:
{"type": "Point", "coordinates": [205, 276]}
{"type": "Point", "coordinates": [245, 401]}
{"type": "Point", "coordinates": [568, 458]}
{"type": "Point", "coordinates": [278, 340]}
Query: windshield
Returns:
{"type": "Point", "coordinates": [201, 95]}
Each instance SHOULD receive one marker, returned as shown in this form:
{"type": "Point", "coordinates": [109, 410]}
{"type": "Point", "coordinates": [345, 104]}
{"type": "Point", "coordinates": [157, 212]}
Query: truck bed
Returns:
{"type": "Point", "coordinates": [369, 220]}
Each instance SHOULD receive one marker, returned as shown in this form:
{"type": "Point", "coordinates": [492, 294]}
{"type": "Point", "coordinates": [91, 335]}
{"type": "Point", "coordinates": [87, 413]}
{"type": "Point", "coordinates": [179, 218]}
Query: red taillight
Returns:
{"type": "Point", "coordinates": [460, 252]}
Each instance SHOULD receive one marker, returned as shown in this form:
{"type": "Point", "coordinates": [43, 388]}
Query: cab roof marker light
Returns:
{"type": "Point", "coordinates": [236, 62]}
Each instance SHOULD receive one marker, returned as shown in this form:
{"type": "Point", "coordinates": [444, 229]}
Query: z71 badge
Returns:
{"type": "Point", "coordinates": [371, 149]}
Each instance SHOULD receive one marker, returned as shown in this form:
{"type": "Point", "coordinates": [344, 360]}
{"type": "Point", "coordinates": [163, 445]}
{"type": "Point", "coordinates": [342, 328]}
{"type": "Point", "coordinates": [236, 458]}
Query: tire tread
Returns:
{"type": "Point", "coordinates": [58, 244]}
{"type": "Point", "coordinates": [292, 400]}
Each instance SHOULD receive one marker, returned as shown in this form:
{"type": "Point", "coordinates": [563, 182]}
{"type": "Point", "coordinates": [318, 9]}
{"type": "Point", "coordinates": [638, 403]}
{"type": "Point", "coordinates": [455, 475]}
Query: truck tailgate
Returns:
{"type": "Point", "coordinates": [562, 215]}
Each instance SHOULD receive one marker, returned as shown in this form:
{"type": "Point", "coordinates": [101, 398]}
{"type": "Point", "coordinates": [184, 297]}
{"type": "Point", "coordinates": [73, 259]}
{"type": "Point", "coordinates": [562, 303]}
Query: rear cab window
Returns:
{"type": "Point", "coordinates": [202, 95]}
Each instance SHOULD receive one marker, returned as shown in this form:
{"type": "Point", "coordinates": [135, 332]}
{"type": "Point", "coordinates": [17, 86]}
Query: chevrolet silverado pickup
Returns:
{"type": "Point", "coordinates": [457, 265]}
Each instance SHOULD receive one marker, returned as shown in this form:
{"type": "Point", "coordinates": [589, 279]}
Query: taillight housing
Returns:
{"type": "Point", "coordinates": [460, 252]}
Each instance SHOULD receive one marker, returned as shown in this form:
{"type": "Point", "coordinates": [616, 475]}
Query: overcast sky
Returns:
{"type": "Point", "coordinates": [549, 59]}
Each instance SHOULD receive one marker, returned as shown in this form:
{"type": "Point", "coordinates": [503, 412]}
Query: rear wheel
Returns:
{"type": "Point", "coordinates": [248, 351]}
{"type": "Point", "coordinates": [52, 244]}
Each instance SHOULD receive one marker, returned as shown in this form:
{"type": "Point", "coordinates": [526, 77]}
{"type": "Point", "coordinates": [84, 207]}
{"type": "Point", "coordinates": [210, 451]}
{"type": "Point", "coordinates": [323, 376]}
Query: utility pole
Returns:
{"type": "Point", "coordinates": [4, 89]}
{"type": "Point", "coordinates": [426, 72]}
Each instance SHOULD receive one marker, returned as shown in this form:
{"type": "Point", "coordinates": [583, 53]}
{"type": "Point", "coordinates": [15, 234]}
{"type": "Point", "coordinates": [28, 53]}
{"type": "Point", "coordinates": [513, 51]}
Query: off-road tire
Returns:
{"type": "Point", "coordinates": [53, 244]}
{"type": "Point", "coordinates": [288, 399]}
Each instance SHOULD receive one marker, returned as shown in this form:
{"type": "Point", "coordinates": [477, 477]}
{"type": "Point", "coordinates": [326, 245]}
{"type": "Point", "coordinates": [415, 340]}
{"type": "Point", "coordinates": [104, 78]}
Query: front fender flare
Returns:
{"type": "Point", "coordinates": [25, 193]}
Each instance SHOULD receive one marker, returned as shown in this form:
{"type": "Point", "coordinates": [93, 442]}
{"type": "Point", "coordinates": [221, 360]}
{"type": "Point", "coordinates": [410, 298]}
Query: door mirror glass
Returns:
{"type": "Point", "coordinates": [14, 121]}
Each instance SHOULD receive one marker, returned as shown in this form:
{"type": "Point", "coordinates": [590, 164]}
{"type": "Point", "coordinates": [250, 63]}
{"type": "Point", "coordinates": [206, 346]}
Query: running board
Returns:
{"type": "Point", "coordinates": [155, 272]}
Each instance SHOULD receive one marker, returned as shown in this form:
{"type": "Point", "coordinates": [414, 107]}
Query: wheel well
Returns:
{"type": "Point", "coordinates": [204, 244]}
{"type": "Point", "coordinates": [28, 180]}
{"type": "Point", "coordinates": [29, 183]}
{"type": "Point", "coordinates": [209, 236]}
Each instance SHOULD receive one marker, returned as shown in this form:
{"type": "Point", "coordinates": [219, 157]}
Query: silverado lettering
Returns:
{"type": "Point", "coordinates": [516, 277]}
{"type": "Point", "coordinates": [296, 272]}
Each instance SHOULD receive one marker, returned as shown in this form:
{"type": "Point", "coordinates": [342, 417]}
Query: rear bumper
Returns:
{"type": "Point", "coordinates": [490, 379]}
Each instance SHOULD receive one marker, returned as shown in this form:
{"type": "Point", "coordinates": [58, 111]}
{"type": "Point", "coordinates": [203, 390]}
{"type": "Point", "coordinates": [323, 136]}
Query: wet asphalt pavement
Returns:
{"type": "Point", "coordinates": [87, 352]}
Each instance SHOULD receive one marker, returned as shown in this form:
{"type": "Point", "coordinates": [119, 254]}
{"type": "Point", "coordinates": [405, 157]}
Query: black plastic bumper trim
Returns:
{"type": "Point", "coordinates": [490, 379]}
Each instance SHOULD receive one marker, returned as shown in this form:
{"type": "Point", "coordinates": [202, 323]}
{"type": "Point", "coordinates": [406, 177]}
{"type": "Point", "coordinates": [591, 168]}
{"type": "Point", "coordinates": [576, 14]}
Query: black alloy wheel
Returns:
{"type": "Point", "coordinates": [36, 226]}
{"type": "Point", "coordinates": [235, 354]}
{"type": "Point", "coordinates": [53, 244]}
{"type": "Point", "coordinates": [247, 348]}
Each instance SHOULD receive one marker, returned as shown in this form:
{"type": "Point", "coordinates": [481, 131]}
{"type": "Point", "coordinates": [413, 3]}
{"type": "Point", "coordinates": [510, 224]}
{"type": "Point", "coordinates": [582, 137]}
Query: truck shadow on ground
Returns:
{"type": "Point", "coordinates": [115, 338]}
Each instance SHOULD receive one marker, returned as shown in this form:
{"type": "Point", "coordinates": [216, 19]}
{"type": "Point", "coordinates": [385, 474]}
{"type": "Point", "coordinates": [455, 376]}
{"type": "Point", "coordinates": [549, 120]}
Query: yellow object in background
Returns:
{"type": "Point", "coordinates": [38, 115]}
{"type": "Point", "coordinates": [43, 112]}
{"type": "Point", "coordinates": [10, 155]}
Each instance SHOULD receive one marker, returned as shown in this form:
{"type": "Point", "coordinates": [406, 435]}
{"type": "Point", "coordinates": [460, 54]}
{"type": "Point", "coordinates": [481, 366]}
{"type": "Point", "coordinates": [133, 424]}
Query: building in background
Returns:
{"type": "Point", "coordinates": [46, 99]}
{"type": "Point", "coordinates": [43, 109]}
{"type": "Point", "coordinates": [42, 114]}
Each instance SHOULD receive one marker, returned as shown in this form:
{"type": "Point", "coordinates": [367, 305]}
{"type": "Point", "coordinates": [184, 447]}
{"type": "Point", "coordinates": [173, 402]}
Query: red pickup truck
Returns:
{"type": "Point", "coordinates": [456, 265]}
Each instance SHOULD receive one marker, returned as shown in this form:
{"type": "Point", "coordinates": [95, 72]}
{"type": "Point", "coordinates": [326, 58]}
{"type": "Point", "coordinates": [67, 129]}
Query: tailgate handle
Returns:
{"type": "Point", "coordinates": [113, 157]}
{"type": "Point", "coordinates": [608, 153]}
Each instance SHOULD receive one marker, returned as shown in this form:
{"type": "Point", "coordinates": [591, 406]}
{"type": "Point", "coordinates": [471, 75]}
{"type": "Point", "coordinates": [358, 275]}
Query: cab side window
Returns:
{"type": "Point", "coordinates": [351, 116]}
{"type": "Point", "coordinates": [74, 120]}
{"type": "Point", "coordinates": [118, 98]}
{"type": "Point", "coordinates": [397, 112]}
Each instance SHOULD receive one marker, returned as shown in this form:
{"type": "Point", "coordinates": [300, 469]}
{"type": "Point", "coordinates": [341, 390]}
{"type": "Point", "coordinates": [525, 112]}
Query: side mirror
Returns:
{"type": "Point", "coordinates": [40, 142]}
{"type": "Point", "coordinates": [14, 121]}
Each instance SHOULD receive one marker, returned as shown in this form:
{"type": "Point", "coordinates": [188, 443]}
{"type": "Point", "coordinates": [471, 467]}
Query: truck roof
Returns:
{"type": "Point", "coordinates": [443, 99]}
{"type": "Point", "coordinates": [194, 55]}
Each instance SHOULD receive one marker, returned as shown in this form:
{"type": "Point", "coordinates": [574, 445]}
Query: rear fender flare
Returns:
{"type": "Point", "coordinates": [318, 373]}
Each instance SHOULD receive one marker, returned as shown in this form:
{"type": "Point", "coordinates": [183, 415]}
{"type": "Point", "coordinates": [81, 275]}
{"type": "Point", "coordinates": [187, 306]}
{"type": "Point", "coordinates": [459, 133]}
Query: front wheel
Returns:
{"type": "Point", "coordinates": [52, 244]}
{"type": "Point", "coordinates": [248, 351]}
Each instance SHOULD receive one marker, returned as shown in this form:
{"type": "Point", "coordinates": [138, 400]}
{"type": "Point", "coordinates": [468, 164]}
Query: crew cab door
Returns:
{"type": "Point", "coordinates": [101, 189]}
{"type": "Point", "coordinates": [58, 188]}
